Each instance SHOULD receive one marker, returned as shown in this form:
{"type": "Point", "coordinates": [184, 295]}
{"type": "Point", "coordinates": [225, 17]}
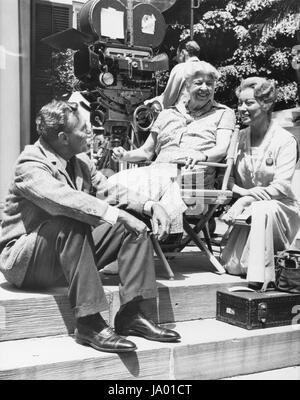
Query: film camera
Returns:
{"type": "Point", "coordinates": [115, 65]}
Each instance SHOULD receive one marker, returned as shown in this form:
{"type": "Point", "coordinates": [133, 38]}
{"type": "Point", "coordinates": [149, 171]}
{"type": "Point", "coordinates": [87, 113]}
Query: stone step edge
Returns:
{"type": "Point", "coordinates": [209, 349]}
{"type": "Point", "coordinates": [281, 374]}
{"type": "Point", "coordinates": [24, 315]}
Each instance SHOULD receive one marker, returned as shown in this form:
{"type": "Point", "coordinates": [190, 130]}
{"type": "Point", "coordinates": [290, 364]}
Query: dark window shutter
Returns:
{"type": "Point", "coordinates": [62, 18]}
{"type": "Point", "coordinates": [47, 18]}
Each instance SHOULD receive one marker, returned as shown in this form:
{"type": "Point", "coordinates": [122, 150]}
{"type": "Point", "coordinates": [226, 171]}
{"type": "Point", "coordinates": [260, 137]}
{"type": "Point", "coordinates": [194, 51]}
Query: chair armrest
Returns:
{"type": "Point", "coordinates": [140, 162]}
{"type": "Point", "coordinates": [207, 196]}
{"type": "Point", "coordinates": [204, 163]}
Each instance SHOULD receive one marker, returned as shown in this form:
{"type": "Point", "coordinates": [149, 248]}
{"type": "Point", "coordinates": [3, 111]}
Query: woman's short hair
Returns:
{"type": "Point", "coordinates": [194, 69]}
{"type": "Point", "coordinates": [54, 117]}
{"type": "Point", "coordinates": [264, 89]}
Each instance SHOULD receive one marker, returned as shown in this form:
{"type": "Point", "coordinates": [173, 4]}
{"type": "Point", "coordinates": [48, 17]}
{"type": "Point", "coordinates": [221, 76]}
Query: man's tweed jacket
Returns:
{"type": "Point", "coordinates": [41, 189]}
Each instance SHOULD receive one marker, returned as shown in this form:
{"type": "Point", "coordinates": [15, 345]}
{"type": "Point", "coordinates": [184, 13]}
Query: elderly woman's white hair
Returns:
{"type": "Point", "coordinates": [194, 69]}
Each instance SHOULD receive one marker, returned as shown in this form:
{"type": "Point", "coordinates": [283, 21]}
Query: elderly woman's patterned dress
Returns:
{"type": "Point", "coordinates": [179, 135]}
{"type": "Point", "coordinates": [275, 222]}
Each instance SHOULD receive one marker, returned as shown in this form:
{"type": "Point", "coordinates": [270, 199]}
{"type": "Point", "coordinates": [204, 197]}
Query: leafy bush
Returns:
{"type": "Point", "coordinates": [62, 79]}
{"type": "Point", "coordinates": [233, 36]}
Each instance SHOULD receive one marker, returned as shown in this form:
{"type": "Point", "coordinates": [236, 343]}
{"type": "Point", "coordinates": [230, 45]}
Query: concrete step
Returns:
{"type": "Point", "coordinates": [282, 374]}
{"type": "Point", "coordinates": [209, 349]}
{"type": "Point", "coordinates": [191, 295]}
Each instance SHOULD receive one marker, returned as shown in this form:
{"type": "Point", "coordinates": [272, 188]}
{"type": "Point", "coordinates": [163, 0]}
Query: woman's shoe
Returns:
{"type": "Point", "coordinates": [261, 286]}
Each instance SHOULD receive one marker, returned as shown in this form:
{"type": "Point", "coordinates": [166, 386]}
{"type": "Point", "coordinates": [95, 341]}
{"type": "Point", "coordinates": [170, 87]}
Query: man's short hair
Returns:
{"type": "Point", "coordinates": [192, 48]}
{"type": "Point", "coordinates": [54, 117]}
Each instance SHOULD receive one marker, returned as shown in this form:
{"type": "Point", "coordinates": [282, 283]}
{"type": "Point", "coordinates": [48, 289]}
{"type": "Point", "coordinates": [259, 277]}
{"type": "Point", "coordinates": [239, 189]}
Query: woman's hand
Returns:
{"type": "Point", "coordinates": [118, 153]}
{"type": "Point", "coordinates": [236, 210]}
{"type": "Point", "coordinates": [259, 193]}
{"type": "Point", "coordinates": [193, 160]}
{"type": "Point", "coordinates": [232, 213]}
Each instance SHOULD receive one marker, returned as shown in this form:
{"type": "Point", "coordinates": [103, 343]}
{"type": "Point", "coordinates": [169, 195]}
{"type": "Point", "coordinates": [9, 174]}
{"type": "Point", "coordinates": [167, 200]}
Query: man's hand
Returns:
{"type": "Point", "coordinates": [160, 222]}
{"type": "Point", "coordinates": [132, 224]}
{"type": "Point", "coordinates": [118, 153]}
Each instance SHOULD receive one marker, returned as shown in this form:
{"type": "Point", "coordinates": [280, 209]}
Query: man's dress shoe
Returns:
{"type": "Point", "coordinates": [105, 340]}
{"type": "Point", "coordinates": [139, 325]}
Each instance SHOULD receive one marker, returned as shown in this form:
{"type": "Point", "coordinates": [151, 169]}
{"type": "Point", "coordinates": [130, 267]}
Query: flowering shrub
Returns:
{"type": "Point", "coordinates": [285, 93]}
{"type": "Point", "coordinates": [62, 79]}
{"type": "Point", "coordinates": [234, 37]}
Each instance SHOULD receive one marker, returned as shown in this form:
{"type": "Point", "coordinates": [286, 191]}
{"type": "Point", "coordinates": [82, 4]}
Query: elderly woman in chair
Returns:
{"type": "Point", "coordinates": [265, 164]}
{"type": "Point", "coordinates": [196, 130]}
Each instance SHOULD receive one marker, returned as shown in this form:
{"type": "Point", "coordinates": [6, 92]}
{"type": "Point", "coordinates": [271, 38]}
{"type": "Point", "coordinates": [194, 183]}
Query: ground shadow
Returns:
{"type": "Point", "coordinates": [131, 362]}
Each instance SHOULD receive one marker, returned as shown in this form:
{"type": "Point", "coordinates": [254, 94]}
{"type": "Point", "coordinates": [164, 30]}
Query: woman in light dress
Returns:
{"type": "Point", "coordinates": [263, 171]}
{"type": "Point", "coordinates": [197, 129]}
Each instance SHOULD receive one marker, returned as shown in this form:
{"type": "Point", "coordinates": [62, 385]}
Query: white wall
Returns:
{"type": "Point", "coordinates": [13, 137]}
{"type": "Point", "coordinates": [9, 93]}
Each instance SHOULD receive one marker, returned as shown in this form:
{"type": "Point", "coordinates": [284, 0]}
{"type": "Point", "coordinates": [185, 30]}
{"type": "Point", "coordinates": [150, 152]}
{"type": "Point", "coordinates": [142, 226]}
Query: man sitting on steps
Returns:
{"type": "Point", "coordinates": [56, 232]}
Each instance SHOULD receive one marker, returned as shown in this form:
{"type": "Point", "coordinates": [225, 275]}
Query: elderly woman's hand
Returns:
{"type": "Point", "coordinates": [118, 153]}
{"type": "Point", "coordinates": [193, 160]}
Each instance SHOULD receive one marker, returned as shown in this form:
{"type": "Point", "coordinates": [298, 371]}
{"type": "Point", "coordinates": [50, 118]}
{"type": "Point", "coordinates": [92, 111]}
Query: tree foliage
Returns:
{"type": "Point", "coordinates": [62, 79]}
{"type": "Point", "coordinates": [246, 38]}
{"type": "Point", "coordinates": [241, 37]}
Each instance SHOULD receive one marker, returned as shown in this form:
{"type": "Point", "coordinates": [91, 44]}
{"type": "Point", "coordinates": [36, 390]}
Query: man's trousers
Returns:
{"type": "Point", "coordinates": [68, 252]}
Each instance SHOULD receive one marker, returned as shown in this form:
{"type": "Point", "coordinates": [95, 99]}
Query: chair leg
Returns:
{"type": "Point", "coordinates": [202, 247]}
{"type": "Point", "coordinates": [198, 227]}
{"type": "Point", "coordinates": [161, 255]}
{"type": "Point", "coordinates": [207, 238]}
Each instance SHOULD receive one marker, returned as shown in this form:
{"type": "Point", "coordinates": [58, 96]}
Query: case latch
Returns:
{"type": "Point", "coordinates": [262, 312]}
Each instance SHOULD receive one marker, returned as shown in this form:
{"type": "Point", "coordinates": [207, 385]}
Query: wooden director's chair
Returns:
{"type": "Point", "coordinates": [211, 200]}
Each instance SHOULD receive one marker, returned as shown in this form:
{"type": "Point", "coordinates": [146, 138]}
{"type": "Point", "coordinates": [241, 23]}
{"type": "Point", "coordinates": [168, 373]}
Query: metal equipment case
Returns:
{"type": "Point", "coordinates": [254, 310]}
